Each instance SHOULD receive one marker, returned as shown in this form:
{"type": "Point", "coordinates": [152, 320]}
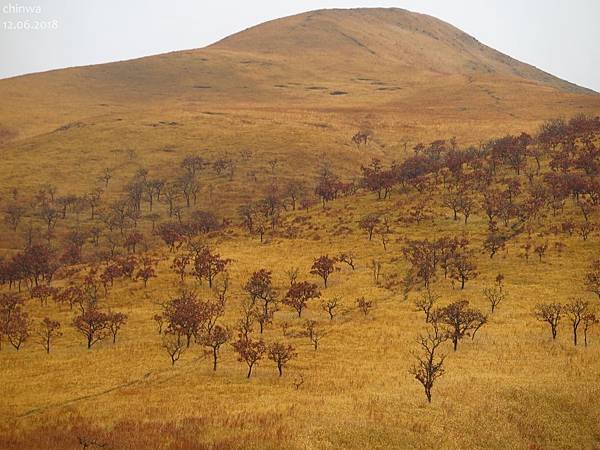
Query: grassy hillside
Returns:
{"type": "Point", "coordinates": [511, 386]}
{"type": "Point", "coordinates": [258, 128]}
{"type": "Point", "coordinates": [404, 62]}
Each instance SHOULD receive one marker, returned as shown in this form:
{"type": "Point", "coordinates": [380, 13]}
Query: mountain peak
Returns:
{"type": "Point", "coordinates": [367, 38]}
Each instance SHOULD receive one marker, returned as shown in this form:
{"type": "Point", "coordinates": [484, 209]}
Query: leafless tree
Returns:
{"type": "Point", "coordinates": [174, 346]}
{"type": "Point", "coordinates": [292, 274]}
{"type": "Point", "coordinates": [47, 332]}
{"type": "Point", "coordinates": [347, 258]}
{"type": "Point", "coordinates": [364, 305]}
{"type": "Point", "coordinates": [550, 313]}
{"type": "Point", "coordinates": [589, 320]}
{"type": "Point", "coordinates": [576, 310]}
{"type": "Point", "coordinates": [314, 332]}
{"type": "Point", "coordinates": [495, 294]}
{"type": "Point", "coordinates": [592, 278]}
{"type": "Point", "coordinates": [429, 366]}
{"type": "Point", "coordinates": [426, 303]}
{"type": "Point", "coordinates": [330, 305]}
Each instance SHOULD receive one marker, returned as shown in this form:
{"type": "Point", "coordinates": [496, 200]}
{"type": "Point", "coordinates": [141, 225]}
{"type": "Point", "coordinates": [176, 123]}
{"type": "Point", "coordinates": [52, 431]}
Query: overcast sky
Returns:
{"type": "Point", "coordinates": [559, 36]}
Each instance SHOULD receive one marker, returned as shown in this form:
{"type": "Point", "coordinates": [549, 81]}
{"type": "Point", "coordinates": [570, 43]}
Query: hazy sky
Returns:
{"type": "Point", "coordinates": [559, 36]}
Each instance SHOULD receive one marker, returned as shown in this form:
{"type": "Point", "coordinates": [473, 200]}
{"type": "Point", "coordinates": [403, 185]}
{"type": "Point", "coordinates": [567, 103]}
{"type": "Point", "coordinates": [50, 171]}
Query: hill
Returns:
{"type": "Point", "coordinates": [167, 219]}
{"type": "Point", "coordinates": [374, 59]}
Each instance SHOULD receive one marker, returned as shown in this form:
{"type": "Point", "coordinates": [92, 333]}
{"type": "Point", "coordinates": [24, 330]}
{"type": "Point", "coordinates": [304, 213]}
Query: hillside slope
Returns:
{"type": "Point", "coordinates": [322, 60]}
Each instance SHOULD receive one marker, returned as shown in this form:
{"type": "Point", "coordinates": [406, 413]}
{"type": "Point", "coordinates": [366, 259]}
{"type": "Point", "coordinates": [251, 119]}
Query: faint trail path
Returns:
{"type": "Point", "coordinates": [156, 378]}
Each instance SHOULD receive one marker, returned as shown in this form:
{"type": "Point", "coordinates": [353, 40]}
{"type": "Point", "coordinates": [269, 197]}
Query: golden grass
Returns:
{"type": "Point", "coordinates": [512, 387]}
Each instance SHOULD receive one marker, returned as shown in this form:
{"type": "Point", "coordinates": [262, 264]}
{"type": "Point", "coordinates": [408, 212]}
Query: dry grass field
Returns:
{"type": "Point", "coordinates": [275, 118]}
{"type": "Point", "coordinates": [510, 387]}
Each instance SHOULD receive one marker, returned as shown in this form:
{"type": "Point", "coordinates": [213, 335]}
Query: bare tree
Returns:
{"type": "Point", "coordinates": [314, 333]}
{"type": "Point", "coordinates": [426, 303]}
{"type": "Point", "coordinates": [292, 274]}
{"type": "Point", "coordinates": [576, 310]}
{"type": "Point", "coordinates": [47, 332]}
{"type": "Point", "coordinates": [495, 294]}
{"type": "Point", "coordinates": [13, 215]}
{"type": "Point", "coordinates": [429, 366]}
{"type": "Point", "coordinates": [364, 305]}
{"type": "Point", "coordinates": [550, 313]}
{"type": "Point", "coordinates": [174, 345]}
{"type": "Point", "coordinates": [348, 258]}
{"type": "Point", "coordinates": [589, 320]}
{"type": "Point", "coordinates": [592, 278]}
{"type": "Point", "coordinates": [330, 305]}
{"type": "Point", "coordinates": [281, 354]}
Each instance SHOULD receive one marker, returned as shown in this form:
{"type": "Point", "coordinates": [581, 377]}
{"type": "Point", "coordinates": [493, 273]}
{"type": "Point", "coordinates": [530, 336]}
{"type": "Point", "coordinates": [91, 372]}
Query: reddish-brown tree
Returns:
{"type": "Point", "coordinates": [93, 325]}
{"type": "Point", "coordinates": [368, 223]}
{"type": "Point", "coordinates": [146, 270]}
{"type": "Point", "coordinates": [323, 266]}
{"type": "Point", "coordinates": [207, 265]}
{"type": "Point", "coordinates": [179, 266]}
{"type": "Point", "coordinates": [462, 269]}
{"type": "Point", "coordinates": [214, 339]}
{"type": "Point", "coordinates": [249, 351]}
{"type": "Point", "coordinates": [115, 321]}
{"type": "Point", "coordinates": [43, 292]}
{"type": "Point", "coordinates": [299, 294]}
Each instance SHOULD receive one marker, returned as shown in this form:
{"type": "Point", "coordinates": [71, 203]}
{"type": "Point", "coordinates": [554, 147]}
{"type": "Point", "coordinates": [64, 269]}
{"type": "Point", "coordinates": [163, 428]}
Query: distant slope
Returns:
{"type": "Point", "coordinates": [356, 59]}
{"type": "Point", "coordinates": [392, 36]}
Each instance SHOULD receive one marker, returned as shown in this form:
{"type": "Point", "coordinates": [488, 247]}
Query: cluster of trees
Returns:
{"type": "Point", "coordinates": [189, 318]}
{"type": "Point", "coordinates": [504, 180]}
{"type": "Point", "coordinates": [82, 290]}
{"type": "Point", "coordinates": [577, 311]}
{"type": "Point", "coordinates": [452, 255]}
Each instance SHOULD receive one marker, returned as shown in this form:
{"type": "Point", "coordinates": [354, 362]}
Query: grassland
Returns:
{"type": "Point", "coordinates": [510, 387]}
